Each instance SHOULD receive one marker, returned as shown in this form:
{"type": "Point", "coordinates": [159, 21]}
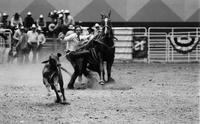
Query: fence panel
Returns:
{"type": "Point", "coordinates": [5, 46]}
{"type": "Point", "coordinates": [124, 44]}
{"type": "Point", "coordinates": [161, 50]}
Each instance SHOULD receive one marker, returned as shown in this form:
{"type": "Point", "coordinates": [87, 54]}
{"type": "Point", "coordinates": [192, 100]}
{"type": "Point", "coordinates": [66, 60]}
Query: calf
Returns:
{"type": "Point", "coordinates": [52, 76]}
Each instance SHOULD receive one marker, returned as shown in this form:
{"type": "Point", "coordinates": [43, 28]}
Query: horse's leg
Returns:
{"type": "Point", "coordinates": [101, 70]}
{"type": "Point", "coordinates": [108, 66]}
{"type": "Point", "coordinates": [72, 80]}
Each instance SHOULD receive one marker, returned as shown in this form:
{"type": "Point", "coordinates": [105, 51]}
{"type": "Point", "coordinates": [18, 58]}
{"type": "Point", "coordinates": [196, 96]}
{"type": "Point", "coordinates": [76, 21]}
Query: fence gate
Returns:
{"type": "Point", "coordinates": [5, 46]}
{"type": "Point", "coordinates": [161, 49]}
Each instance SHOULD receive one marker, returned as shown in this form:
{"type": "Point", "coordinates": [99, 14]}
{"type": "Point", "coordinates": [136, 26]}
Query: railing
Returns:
{"type": "Point", "coordinates": [5, 46]}
{"type": "Point", "coordinates": [159, 47]}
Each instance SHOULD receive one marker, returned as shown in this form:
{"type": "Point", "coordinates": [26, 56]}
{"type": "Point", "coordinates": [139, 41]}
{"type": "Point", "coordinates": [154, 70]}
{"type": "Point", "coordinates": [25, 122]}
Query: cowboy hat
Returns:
{"type": "Point", "coordinates": [71, 27]}
{"type": "Point", "coordinates": [39, 28]}
{"type": "Point", "coordinates": [66, 11]}
{"type": "Point", "coordinates": [5, 14]}
{"type": "Point", "coordinates": [41, 16]}
{"type": "Point", "coordinates": [33, 26]}
{"type": "Point", "coordinates": [96, 25]}
{"type": "Point", "coordinates": [29, 13]}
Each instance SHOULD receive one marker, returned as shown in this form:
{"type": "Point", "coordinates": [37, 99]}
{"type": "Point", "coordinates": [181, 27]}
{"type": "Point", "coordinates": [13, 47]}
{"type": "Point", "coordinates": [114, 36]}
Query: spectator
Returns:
{"type": "Point", "coordinates": [59, 26]}
{"type": "Point", "coordinates": [33, 41]}
{"type": "Point", "coordinates": [41, 22]}
{"type": "Point", "coordinates": [69, 32]}
{"type": "Point", "coordinates": [68, 19]}
{"type": "Point", "coordinates": [17, 35]}
{"type": "Point", "coordinates": [90, 33]}
{"type": "Point", "coordinates": [97, 28]}
{"type": "Point", "coordinates": [28, 21]}
{"type": "Point", "coordinates": [16, 21]}
{"type": "Point", "coordinates": [5, 21]}
{"type": "Point", "coordinates": [41, 41]}
{"type": "Point", "coordinates": [22, 47]}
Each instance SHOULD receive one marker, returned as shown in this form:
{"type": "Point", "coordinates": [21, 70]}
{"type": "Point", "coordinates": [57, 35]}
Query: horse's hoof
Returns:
{"type": "Point", "coordinates": [58, 101]}
{"type": "Point", "coordinates": [70, 87]}
{"type": "Point", "coordinates": [110, 80]}
{"type": "Point", "coordinates": [65, 102]}
{"type": "Point", "coordinates": [102, 82]}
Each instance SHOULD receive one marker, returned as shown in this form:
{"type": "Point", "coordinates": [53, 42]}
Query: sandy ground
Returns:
{"type": "Point", "coordinates": [141, 94]}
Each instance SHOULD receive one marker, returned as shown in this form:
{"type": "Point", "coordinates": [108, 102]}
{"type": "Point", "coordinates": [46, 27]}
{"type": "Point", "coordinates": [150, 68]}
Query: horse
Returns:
{"type": "Point", "coordinates": [93, 54]}
{"type": "Point", "coordinates": [107, 50]}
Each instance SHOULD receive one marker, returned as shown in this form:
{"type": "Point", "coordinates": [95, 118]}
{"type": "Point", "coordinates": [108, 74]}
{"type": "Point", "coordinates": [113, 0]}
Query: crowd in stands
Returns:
{"type": "Point", "coordinates": [29, 32]}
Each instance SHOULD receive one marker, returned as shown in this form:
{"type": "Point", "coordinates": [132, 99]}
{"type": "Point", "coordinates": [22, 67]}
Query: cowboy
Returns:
{"type": "Point", "coordinates": [90, 33]}
{"type": "Point", "coordinates": [59, 25]}
{"type": "Point", "coordinates": [33, 41]}
{"type": "Point", "coordinates": [28, 21]}
{"type": "Point", "coordinates": [5, 21]}
{"type": "Point", "coordinates": [16, 21]}
{"type": "Point", "coordinates": [68, 19]}
{"type": "Point", "coordinates": [22, 47]}
{"type": "Point", "coordinates": [41, 22]}
{"type": "Point", "coordinates": [41, 41]}
{"type": "Point", "coordinates": [97, 28]}
{"type": "Point", "coordinates": [73, 43]}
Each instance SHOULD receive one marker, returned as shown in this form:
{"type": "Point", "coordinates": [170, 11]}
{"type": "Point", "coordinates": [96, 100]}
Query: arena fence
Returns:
{"type": "Point", "coordinates": [154, 44]}
{"type": "Point", "coordinates": [159, 44]}
{"type": "Point", "coordinates": [5, 46]}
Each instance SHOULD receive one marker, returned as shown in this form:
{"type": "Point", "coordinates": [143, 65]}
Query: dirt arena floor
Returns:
{"type": "Point", "coordinates": [141, 94]}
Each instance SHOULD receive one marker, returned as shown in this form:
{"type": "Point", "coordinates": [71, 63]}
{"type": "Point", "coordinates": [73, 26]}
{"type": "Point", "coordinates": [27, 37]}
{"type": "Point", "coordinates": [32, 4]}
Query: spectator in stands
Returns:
{"type": "Point", "coordinates": [21, 47]}
{"type": "Point", "coordinates": [68, 19]}
{"type": "Point", "coordinates": [17, 35]}
{"type": "Point", "coordinates": [5, 21]}
{"type": "Point", "coordinates": [28, 21]}
{"type": "Point", "coordinates": [16, 21]}
{"type": "Point", "coordinates": [33, 41]}
{"type": "Point", "coordinates": [41, 22]}
{"type": "Point", "coordinates": [3, 43]}
{"type": "Point", "coordinates": [90, 33]}
{"type": "Point", "coordinates": [59, 26]}
{"type": "Point", "coordinates": [97, 28]}
{"type": "Point", "coordinates": [69, 32]}
{"type": "Point", "coordinates": [41, 42]}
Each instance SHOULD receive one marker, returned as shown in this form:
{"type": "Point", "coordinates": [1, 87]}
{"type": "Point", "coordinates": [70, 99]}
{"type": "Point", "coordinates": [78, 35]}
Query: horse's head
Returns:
{"type": "Point", "coordinates": [106, 23]}
{"type": "Point", "coordinates": [107, 31]}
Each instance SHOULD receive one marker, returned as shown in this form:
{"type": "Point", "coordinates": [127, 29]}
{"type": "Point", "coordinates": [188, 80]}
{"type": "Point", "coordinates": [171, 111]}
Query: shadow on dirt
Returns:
{"type": "Point", "coordinates": [92, 83]}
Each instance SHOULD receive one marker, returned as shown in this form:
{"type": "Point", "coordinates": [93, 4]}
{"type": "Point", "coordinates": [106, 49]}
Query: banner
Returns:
{"type": "Point", "coordinates": [140, 47]}
{"type": "Point", "coordinates": [184, 44]}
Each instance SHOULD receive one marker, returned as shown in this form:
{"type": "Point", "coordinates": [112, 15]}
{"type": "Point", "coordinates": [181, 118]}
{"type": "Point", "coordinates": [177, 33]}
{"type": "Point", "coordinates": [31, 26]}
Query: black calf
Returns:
{"type": "Point", "coordinates": [52, 76]}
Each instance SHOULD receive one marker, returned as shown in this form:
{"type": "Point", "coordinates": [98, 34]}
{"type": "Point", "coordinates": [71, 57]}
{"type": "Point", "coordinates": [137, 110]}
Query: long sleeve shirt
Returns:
{"type": "Point", "coordinates": [41, 38]}
{"type": "Point", "coordinates": [14, 22]}
{"type": "Point", "coordinates": [32, 37]}
{"type": "Point", "coordinates": [73, 42]}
